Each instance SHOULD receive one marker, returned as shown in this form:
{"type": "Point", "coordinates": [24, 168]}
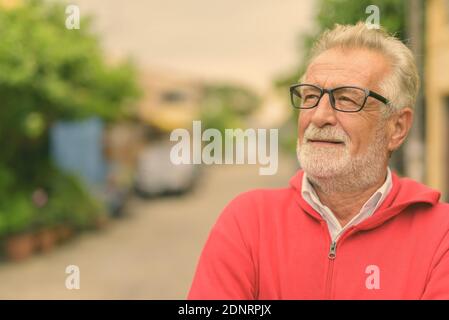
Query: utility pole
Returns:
{"type": "Point", "coordinates": [414, 160]}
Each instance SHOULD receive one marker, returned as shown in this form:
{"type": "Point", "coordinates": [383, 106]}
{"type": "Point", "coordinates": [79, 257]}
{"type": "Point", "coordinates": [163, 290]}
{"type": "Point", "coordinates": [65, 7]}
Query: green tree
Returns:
{"type": "Point", "coordinates": [49, 73]}
{"type": "Point", "coordinates": [227, 106]}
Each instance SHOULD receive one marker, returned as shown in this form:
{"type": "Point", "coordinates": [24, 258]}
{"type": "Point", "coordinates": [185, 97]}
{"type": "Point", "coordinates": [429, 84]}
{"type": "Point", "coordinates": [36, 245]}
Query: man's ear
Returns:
{"type": "Point", "coordinates": [400, 124]}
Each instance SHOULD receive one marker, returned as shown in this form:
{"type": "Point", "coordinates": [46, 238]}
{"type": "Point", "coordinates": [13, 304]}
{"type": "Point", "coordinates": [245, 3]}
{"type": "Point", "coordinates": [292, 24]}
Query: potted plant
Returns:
{"type": "Point", "coordinates": [17, 219]}
{"type": "Point", "coordinates": [71, 207]}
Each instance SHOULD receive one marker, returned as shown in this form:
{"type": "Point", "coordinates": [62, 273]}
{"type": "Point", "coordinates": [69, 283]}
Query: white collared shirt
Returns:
{"type": "Point", "coordinates": [368, 209]}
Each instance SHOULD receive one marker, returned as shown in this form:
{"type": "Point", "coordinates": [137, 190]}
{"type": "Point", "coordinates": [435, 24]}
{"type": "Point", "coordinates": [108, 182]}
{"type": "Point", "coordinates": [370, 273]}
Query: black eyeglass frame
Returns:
{"type": "Point", "coordinates": [368, 93]}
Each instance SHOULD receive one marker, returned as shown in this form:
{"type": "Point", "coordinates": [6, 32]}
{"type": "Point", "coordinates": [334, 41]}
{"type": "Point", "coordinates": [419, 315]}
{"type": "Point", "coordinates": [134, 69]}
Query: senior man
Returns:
{"type": "Point", "coordinates": [346, 227]}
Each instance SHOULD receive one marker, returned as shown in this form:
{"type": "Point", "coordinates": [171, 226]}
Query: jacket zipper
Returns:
{"type": "Point", "coordinates": [331, 256]}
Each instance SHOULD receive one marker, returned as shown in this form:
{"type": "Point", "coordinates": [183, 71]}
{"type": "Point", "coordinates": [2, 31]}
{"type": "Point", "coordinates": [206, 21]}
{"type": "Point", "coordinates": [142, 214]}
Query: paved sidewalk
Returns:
{"type": "Point", "coordinates": [150, 254]}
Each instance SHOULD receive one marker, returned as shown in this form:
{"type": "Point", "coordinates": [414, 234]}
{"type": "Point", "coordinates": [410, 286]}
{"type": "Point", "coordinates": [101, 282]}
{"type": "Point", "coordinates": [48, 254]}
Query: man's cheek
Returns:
{"type": "Point", "coordinates": [302, 126]}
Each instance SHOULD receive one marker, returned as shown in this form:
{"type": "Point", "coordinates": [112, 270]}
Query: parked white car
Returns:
{"type": "Point", "coordinates": [156, 174]}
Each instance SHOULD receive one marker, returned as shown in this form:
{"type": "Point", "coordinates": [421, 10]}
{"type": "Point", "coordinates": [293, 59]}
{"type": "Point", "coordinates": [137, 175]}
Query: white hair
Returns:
{"type": "Point", "coordinates": [401, 85]}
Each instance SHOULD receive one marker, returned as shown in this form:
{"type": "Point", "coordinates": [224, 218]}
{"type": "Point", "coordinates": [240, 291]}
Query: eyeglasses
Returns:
{"type": "Point", "coordinates": [344, 99]}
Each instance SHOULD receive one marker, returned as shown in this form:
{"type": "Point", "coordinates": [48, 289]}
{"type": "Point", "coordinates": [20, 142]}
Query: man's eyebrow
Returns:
{"type": "Point", "coordinates": [337, 85]}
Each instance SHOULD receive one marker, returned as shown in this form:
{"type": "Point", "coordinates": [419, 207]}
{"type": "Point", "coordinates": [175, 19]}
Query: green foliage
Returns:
{"type": "Point", "coordinates": [47, 68]}
{"type": "Point", "coordinates": [392, 13]}
{"type": "Point", "coordinates": [69, 203]}
{"type": "Point", "coordinates": [16, 214]}
{"type": "Point", "coordinates": [226, 106]}
{"type": "Point", "coordinates": [50, 73]}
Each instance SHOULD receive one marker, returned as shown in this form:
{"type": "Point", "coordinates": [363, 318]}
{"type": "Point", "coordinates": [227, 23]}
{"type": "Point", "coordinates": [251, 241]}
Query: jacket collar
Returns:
{"type": "Point", "coordinates": [404, 193]}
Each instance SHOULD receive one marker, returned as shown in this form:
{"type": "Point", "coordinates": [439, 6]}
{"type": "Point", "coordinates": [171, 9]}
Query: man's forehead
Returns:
{"type": "Point", "coordinates": [349, 67]}
{"type": "Point", "coordinates": [334, 74]}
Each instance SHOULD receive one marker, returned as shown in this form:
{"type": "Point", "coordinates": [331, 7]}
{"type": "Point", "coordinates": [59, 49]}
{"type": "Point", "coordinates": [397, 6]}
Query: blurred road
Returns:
{"type": "Point", "coordinates": [149, 254]}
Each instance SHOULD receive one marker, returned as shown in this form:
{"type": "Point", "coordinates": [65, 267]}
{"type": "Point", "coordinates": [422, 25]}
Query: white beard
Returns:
{"type": "Point", "coordinates": [334, 169]}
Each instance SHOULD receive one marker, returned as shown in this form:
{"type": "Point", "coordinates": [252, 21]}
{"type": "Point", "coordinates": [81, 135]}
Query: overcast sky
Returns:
{"type": "Point", "coordinates": [248, 41]}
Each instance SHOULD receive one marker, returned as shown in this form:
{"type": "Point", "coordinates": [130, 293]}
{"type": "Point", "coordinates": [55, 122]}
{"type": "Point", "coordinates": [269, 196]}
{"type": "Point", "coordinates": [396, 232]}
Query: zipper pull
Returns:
{"type": "Point", "coordinates": [333, 250]}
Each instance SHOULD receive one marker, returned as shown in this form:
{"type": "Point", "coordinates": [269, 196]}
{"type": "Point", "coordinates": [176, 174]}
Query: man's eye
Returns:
{"type": "Point", "coordinates": [310, 97]}
{"type": "Point", "coordinates": [346, 99]}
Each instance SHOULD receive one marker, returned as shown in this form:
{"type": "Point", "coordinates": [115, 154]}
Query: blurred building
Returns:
{"type": "Point", "coordinates": [170, 101]}
{"type": "Point", "coordinates": [436, 84]}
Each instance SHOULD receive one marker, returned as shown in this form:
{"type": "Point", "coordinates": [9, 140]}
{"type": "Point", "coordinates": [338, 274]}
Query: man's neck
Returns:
{"type": "Point", "coordinates": [345, 205]}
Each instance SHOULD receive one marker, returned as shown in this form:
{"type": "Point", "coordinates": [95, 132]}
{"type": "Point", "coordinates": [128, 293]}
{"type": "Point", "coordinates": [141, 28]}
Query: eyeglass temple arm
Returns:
{"type": "Point", "coordinates": [378, 97]}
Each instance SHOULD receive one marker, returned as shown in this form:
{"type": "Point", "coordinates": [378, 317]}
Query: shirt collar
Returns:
{"type": "Point", "coordinates": [309, 195]}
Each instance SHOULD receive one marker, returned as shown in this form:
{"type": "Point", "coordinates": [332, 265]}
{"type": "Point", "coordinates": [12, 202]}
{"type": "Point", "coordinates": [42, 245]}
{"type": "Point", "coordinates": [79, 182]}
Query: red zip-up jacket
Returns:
{"type": "Point", "coordinates": [271, 244]}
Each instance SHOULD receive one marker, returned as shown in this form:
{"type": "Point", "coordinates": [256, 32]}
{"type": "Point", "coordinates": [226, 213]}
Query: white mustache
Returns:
{"type": "Point", "coordinates": [326, 133]}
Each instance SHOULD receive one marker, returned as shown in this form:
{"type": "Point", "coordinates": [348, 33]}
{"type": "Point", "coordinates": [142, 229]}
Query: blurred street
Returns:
{"type": "Point", "coordinates": [151, 253]}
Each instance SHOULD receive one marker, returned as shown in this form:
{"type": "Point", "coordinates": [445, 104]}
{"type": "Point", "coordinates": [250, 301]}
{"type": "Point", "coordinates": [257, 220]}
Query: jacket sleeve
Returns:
{"type": "Point", "coordinates": [437, 287]}
{"type": "Point", "coordinates": [226, 268]}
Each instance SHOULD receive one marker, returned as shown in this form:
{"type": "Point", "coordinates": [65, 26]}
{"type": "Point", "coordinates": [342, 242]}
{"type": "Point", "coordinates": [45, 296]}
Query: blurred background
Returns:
{"type": "Point", "coordinates": [86, 115]}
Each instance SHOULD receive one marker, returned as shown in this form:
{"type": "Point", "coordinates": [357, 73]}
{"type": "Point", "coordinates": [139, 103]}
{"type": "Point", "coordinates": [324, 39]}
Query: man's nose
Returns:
{"type": "Point", "coordinates": [323, 113]}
